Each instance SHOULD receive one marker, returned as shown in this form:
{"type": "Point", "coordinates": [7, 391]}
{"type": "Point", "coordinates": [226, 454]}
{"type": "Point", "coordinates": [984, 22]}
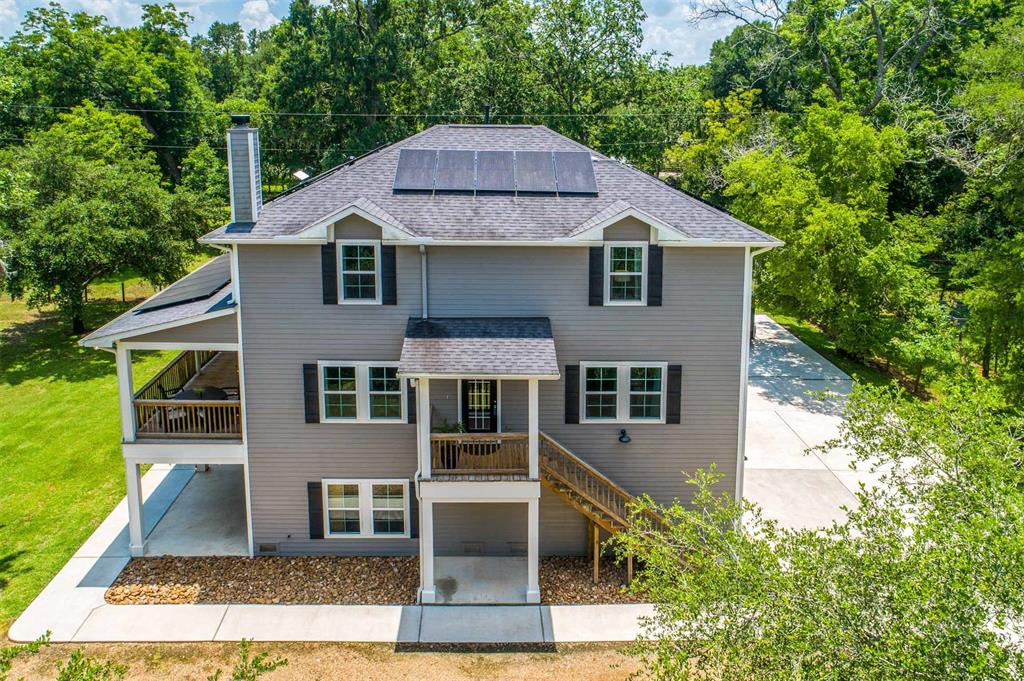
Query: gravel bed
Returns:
{"type": "Point", "coordinates": [357, 580]}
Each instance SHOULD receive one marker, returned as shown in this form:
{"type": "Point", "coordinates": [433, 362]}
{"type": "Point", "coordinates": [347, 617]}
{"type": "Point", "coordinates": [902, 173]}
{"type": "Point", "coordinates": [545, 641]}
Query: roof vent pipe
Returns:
{"type": "Point", "coordinates": [244, 176]}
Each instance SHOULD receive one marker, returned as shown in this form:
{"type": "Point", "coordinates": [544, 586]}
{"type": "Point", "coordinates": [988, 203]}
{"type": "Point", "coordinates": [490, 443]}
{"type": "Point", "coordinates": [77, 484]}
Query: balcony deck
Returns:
{"type": "Point", "coordinates": [175, 404]}
{"type": "Point", "coordinates": [479, 456]}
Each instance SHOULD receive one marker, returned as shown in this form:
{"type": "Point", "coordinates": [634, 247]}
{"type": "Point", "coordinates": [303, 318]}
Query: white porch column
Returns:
{"type": "Point", "coordinates": [427, 594]}
{"type": "Point", "coordinates": [124, 392]}
{"type": "Point", "coordinates": [423, 425]}
{"type": "Point", "coordinates": [136, 544]}
{"type": "Point", "coordinates": [533, 428]}
{"type": "Point", "coordinates": [533, 551]}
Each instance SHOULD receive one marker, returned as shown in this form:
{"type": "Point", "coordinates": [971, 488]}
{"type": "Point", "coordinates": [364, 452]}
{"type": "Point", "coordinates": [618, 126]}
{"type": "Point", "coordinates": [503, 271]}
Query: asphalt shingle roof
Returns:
{"type": "Point", "coordinates": [206, 289]}
{"type": "Point", "coordinates": [487, 217]}
{"type": "Point", "coordinates": [488, 346]}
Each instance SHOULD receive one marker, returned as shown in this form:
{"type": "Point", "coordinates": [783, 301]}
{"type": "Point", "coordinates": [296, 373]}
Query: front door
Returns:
{"type": "Point", "coordinates": [480, 405]}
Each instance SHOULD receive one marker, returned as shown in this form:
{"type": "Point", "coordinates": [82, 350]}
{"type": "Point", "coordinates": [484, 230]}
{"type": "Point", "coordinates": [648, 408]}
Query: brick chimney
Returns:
{"type": "Point", "coordinates": [244, 170]}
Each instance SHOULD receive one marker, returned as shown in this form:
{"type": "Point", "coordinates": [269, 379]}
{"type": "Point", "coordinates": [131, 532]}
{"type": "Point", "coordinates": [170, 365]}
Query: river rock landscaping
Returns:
{"type": "Point", "coordinates": [312, 580]}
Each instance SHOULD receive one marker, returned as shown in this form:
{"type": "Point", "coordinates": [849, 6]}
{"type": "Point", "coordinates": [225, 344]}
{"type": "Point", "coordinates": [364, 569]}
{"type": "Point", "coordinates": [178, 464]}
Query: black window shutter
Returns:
{"type": "Point", "coordinates": [388, 275]}
{"type": "Point", "coordinates": [414, 511]}
{"type": "Point", "coordinates": [329, 272]}
{"type": "Point", "coordinates": [314, 491]}
{"type": "Point", "coordinates": [597, 275]}
{"type": "Point", "coordinates": [673, 409]}
{"type": "Point", "coordinates": [410, 406]}
{"type": "Point", "coordinates": [655, 264]}
{"type": "Point", "coordinates": [572, 393]}
{"type": "Point", "coordinates": [311, 392]}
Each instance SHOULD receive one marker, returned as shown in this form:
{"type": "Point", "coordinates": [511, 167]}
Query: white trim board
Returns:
{"type": "Point", "coordinates": [179, 451]}
{"type": "Point", "coordinates": [473, 491]}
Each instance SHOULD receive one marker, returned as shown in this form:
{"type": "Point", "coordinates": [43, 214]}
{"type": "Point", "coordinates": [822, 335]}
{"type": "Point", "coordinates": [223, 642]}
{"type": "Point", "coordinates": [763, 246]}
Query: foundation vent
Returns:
{"type": "Point", "coordinates": [266, 549]}
{"type": "Point", "coordinates": [472, 548]}
{"type": "Point", "coordinates": [517, 548]}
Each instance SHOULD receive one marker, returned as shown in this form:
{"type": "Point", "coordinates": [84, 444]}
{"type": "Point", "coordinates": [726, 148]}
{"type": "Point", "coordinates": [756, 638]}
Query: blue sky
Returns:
{"type": "Point", "coordinates": [668, 27]}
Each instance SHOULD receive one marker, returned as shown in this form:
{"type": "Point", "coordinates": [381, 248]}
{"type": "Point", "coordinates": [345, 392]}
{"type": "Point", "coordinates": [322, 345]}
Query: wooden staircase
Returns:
{"type": "Point", "coordinates": [583, 487]}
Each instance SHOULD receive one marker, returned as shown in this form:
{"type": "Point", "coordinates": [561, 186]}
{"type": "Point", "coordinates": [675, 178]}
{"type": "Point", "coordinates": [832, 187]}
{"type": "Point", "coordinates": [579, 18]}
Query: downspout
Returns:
{"type": "Point", "coordinates": [423, 281]}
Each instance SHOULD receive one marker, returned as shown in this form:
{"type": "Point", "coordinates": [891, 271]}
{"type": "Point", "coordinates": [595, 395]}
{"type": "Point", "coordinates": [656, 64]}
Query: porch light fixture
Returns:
{"type": "Point", "coordinates": [624, 437]}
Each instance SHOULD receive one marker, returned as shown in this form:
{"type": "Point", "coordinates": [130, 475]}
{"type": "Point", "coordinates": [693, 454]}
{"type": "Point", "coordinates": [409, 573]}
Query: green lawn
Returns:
{"type": "Point", "coordinates": [821, 344]}
{"type": "Point", "coordinates": [60, 466]}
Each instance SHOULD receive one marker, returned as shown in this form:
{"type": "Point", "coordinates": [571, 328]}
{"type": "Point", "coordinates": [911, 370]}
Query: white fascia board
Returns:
{"type": "Point", "coordinates": [558, 241]}
{"type": "Point", "coordinates": [147, 345]}
{"type": "Point", "coordinates": [182, 451]}
{"type": "Point", "coordinates": [472, 491]}
{"type": "Point", "coordinates": [108, 341]}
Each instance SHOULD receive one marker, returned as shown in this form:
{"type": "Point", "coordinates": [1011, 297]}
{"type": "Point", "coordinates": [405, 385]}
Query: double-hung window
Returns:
{"type": "Point", "coordinates": [366, 508]}
{"type": "Point", "coordinates": [620, 392]}
{"type": "Point", "coordinates": [359, 269]}
{"type": "Point", "coordinates": [361, 392]}
{"type": "Point", "coordinates": [625, 266]}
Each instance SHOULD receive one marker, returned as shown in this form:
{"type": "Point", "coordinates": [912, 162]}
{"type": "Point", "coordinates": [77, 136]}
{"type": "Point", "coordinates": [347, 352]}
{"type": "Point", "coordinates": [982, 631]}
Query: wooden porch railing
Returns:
{"type": "Point", "coordinates": [212, 419]}
{"type": "Point", "coordinates": [559, 465]}
{"type": "Point", "coordinates": [172, 377]}
{"type": "Point", "coordinates": [469, 453]}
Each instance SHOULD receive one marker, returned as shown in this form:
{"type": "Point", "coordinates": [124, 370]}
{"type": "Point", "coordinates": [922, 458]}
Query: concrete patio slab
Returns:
{"type": "Point", "coordinates": [481, 624]}
{"type": "Point", "coordinates": [581, 623]}
{"type": "Point", "coordinates": [468, 580]}
{"type": "Point", "coordinates": [206, 519]}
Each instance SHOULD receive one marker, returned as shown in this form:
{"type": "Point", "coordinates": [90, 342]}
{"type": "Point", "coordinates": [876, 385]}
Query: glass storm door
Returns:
{"type": "Point", "coordinates": [480, 406]}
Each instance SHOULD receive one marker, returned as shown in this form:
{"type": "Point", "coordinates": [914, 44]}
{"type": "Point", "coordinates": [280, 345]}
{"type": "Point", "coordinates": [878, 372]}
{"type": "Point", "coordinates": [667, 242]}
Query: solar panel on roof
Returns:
{"type": "Point", "coordinates": [574, 172]}
{"type": "Point", "coordinates": [495, 171]}
{"type": "Point", "coordinates": [534, 172]}
{"type": "Point", "coordinates": [456, 170]}
{"type": "Point", "coordinates": [197, 285]}
{"type": "Point", "coordinates": [415, 170]}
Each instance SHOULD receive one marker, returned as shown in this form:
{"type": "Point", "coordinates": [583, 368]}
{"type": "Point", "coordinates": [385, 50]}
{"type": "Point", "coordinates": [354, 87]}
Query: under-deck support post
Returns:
{"type": "Point", "coordinates": [136, 543]}
{"type": "Point", "coordinates": [532, 551]}
{"type": "Point", "coordinates": [597, 550]}
{"type": "Point", "coordinates": [427, 593]}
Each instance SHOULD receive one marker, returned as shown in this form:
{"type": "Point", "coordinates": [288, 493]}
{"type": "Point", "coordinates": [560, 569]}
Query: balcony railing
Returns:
{"type": "Point", "coordinates": [171, 404]}
{"type": "Point", "coordinates": [479, 453]}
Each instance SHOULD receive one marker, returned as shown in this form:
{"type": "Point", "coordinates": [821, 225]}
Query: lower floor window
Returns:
{"type": "Point", "coordinates": [366, 508]}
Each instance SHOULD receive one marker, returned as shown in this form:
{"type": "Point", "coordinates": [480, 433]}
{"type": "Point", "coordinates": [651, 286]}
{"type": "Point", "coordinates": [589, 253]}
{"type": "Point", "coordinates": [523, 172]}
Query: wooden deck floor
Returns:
{"type": "Point", "coordinates": [220, 372]}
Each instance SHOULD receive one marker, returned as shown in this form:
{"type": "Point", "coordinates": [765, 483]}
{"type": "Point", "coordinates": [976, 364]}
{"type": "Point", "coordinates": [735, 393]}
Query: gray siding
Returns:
{"type": "Point", "coordinates": [218, 330]}
{"type": "Point", "coordinates": [628, 229]}
{"type": "Point", "coordinates": [285, 324]}
{"type": "Point", "coordinates": [495, 526]}
{"type": "Point", "coordinates": [241, 183]}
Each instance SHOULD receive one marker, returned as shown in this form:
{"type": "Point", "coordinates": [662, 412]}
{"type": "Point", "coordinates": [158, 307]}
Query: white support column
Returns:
{"type": "Point", "coordinates": [533, 428]}
{"type": "Point", "coordinates": [136, 543]}
{"type": "Point", "coordinates": [423, 426]}
{"type": "Point", "coordinates": [532, 551]}
{"type": "Point", "coordinates": [124, 392]}
{"type": "Point", "coordinates": [427, 593]}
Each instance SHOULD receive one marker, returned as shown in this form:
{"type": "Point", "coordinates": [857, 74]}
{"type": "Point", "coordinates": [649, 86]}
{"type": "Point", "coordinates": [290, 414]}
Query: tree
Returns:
{"type": "Point", "coordinates": [96, 208]}
{"type": "Point", "coordinates": [225, 54]}
{"type": "Point", "coordinates": [923, 580]}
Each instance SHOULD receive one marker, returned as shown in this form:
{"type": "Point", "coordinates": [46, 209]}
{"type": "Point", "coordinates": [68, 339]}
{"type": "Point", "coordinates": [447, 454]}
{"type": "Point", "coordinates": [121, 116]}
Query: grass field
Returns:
{"type": "Point", "coordinates": [61, 470]}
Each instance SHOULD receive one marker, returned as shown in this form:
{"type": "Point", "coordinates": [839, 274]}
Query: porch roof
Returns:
{"type": "Point", "coordinates": [202, 294]}
{"type": "Point", "coordinates": [514, 347]}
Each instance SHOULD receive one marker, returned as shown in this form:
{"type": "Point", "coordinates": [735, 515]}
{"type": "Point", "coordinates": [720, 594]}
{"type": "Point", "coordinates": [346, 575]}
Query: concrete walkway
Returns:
{"type": "Point", "coordinates": [785, 416]}
{"type": "Point", "coordinates": [798, 490]}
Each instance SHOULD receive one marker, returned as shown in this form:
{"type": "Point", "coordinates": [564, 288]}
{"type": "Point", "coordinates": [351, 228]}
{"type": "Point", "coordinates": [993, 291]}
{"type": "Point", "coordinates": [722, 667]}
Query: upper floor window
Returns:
{"type": "Point", "coordinates": [361, 392]}
{"type": "Point", "coordinates": [618, 392]}
{"type": "Point", "coordinates": [359, 266]}
{"type": "Point", "coordinates": [625, 281]}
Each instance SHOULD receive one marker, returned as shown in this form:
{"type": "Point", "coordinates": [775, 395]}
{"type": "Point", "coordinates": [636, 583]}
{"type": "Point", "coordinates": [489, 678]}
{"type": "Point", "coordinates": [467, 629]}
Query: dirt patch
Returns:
{"type": "Point", "coordinates": [309, 580]}
{"type": "Point", "coordinates": [331, 661]}
{"type": "Point", "coordinates": [361, 580]}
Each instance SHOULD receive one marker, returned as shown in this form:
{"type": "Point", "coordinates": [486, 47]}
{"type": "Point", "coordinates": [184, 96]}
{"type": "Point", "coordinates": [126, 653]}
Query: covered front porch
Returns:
{"type": "Point", "coordinates": [476, 383]}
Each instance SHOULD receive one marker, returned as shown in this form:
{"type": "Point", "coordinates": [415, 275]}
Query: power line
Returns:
{"type": "Point", "coordinates": [451, 115]}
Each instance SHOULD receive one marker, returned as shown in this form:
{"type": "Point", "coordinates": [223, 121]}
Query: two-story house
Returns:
{"type": "Point", "coordinates": [481, 340]}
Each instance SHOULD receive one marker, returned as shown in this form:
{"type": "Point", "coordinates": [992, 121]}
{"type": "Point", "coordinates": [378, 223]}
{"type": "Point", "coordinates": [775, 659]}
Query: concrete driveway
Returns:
{"type": "Point", "coordinates": [784, 418]}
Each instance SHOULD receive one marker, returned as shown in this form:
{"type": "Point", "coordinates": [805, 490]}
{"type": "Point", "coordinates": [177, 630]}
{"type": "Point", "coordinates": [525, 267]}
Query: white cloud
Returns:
{"type": "Point", "coordinates": [117, 12]}
{"type": "Point", "coordinates": [670, 28]}
{"type": "Point", "coordinates": [8, 17]}
{"type": "Point", "coordinates": [256, 14]}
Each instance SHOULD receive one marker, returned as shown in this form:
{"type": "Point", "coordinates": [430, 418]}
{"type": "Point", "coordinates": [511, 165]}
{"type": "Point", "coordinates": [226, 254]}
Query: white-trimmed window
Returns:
{"type": "Point", "coordinates": [361, 392]}
{"type": "Point", "coordinates": [621, 392]}
{"type": "Point", "coordinates": [359, 272]}
{"type": "Point", "coordinates": [366, 508]}
{"type": "Point", "coordinates": [625, 268]}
